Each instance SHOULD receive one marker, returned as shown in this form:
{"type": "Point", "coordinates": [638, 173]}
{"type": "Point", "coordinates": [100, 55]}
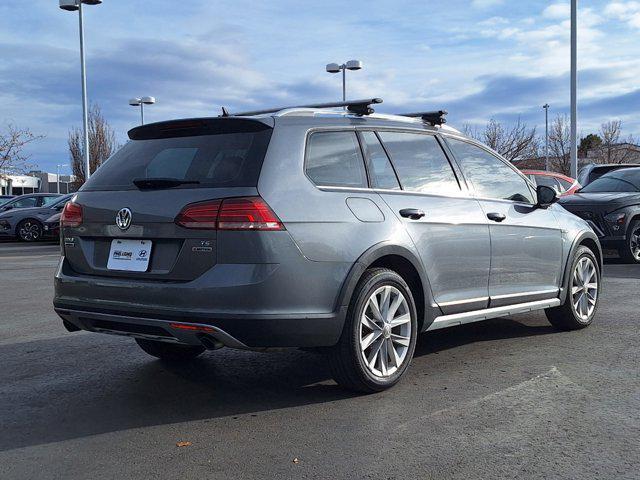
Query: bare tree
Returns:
{"type": "Point", "coordinates": [102, 143]}
{"type": "Point", "coordinates": [611, 150]}
{"type": "Point", "coordinates": [560, 144]}
{"type": "Point", "coordinates": [513, 142]}
{"type": "Point", "coordinates": [12, 144]}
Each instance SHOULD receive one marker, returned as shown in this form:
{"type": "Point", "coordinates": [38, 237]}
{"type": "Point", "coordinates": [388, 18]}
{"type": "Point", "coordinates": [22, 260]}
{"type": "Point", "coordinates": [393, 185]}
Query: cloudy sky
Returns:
{"type": "Point", "coordinates": [479, 59]}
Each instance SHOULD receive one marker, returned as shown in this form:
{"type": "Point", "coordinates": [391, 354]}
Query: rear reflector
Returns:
{"type": "Point", "coordinates": [71, 215]}
{"type": "Point", "coordinates": [244, 213]}
{"type": "Point", "coordinates": [192, 328]}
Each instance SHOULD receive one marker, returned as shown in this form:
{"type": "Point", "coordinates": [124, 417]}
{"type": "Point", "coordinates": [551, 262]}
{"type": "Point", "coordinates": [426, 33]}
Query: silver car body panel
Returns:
{"type": "Point", "coordinates": [293, 288]}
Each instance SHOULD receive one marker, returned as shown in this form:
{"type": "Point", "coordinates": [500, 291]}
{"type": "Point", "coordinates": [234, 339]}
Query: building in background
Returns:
{"type": "Point", "coordinates": [36, 182]}
{"type": "Point", "coordinates": [19, 184]}
{"type": "Point", "coordinates": [49, 182]}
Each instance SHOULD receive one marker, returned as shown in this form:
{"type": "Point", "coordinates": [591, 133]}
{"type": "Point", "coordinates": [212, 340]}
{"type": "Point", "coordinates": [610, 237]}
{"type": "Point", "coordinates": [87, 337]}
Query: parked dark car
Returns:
{"type": "Point", "coordinates": [27, 224]}
{"type": "Point", "coordinates": [611, 205]}
{"type": "Point", "coordinates": [30, 200]}
{"type": "Point", "coordinates": [589, 173]}
{"type": "Point", "coordinates": [51, 226]}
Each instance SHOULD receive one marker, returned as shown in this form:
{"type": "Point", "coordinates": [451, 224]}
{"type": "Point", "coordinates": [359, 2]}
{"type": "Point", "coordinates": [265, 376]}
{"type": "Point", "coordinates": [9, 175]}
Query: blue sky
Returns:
{"type": "Point", "coordinates": [479, 59]}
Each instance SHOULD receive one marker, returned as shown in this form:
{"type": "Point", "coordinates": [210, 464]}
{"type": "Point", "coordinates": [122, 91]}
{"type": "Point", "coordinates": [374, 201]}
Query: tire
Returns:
{"type": "Point", "coordinates": [29, 230]}
{"type": "Point", "coordinates": [347, 359]}
{"type": "Point", "coordinates": [630, 253]}
{"type": "Point", "coordinates": [580, 307]}
{"type": "Point", "coordinates": [169, 351]}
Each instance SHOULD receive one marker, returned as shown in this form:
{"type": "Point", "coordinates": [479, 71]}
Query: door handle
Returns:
{"type": "Point", "coordinates": [496, 217]}
{"type": "Point", "coordinates": [412, 213]}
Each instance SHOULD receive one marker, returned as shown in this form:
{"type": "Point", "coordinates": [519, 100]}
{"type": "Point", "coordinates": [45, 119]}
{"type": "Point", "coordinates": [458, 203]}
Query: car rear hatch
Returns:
{"type": "Point", "coordinates": [129, 223]}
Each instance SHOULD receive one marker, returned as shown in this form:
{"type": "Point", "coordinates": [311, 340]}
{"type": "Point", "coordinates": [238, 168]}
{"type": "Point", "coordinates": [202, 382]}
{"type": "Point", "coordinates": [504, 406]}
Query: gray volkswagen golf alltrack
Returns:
{"type": "Point", "coordinates": [341, 231]}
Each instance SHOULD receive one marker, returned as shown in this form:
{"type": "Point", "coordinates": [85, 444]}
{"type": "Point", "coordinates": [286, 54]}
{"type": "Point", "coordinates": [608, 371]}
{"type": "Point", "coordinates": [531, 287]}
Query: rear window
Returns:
{"type": "Point", "coordinates": [226, 159]}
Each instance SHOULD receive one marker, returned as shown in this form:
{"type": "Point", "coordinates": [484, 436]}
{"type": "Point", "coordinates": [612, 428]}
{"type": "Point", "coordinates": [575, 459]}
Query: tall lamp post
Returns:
{"type": "Point", "coordinates": [546, 136]}
{"type": "Point", "coordinates": [58, 177]}
{"type": "Point", "coordinates": [336, 68]}
{"type": "Point", "coordinates": [72, 6]}
{"type": "Point", "coordinates": [574, 87]}
{"type": "Point", "coordinates": [141, 102]}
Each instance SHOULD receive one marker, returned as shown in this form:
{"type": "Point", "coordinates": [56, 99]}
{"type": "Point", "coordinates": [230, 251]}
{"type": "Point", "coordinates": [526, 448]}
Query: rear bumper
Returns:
{"type": "Point", "coordinates": [245, 332]}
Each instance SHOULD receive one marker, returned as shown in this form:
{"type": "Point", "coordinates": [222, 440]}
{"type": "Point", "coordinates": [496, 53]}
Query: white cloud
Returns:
{"type": "Point", "coordinates": [628, 12]}
{"type": "Point", "coordinates": [557, 11]}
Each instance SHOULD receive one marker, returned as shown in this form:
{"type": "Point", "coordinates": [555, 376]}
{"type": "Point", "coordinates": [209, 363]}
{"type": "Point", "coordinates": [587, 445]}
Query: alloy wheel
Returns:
{"type": "Point", "coordinates": [29, 231]}
{"type": "Point", "coordinates": [584, 288]}
{"type": "Point", "coordinates": [385, 331]}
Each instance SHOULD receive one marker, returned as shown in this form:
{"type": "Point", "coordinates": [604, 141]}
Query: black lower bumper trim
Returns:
{"type": "Point", "coordinates": [254, 331]}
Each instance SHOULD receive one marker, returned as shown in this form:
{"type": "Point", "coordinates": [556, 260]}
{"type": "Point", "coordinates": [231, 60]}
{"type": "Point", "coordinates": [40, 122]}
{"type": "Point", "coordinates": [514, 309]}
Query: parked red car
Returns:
{"type": "Point", "coordinates": [560, 183]}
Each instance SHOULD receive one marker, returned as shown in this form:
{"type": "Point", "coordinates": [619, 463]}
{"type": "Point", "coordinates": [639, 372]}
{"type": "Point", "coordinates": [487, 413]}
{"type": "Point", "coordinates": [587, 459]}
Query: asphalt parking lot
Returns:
{"type": "Point", "coordinates": [505, 398]}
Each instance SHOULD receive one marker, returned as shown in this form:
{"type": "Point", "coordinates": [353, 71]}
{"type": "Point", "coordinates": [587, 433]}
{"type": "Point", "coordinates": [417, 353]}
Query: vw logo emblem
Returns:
{"type": "Point", "coordinates": [123, 219]}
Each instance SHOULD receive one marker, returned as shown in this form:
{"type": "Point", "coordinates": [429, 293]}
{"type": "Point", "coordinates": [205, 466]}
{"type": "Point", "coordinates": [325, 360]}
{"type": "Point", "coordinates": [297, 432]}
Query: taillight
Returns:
{"type": "Point", "coordinates": [201, 215]}
{"type": "Point", "coordinates": [245, 213]}
{"type": "Point", "coordinates": [249, 213]}
{"type": "Point", "coordinates": [71, 215]}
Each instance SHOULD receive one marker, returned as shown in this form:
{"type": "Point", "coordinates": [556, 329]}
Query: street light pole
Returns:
{"type": "Point", "coordinates": [137, 101]}
{"type": "Point", "coordinates": [350, 65]}
{"type": "Point", "coordinates": [58, 177]}
{"type": "Point", "coordinates": [85, 108]}
{"type": "Point", "coordinates": [73, 5]}
{"type": "Point", "coordinates": [574, 87]}
{"type": "Point", "coordinates": [546, 136]}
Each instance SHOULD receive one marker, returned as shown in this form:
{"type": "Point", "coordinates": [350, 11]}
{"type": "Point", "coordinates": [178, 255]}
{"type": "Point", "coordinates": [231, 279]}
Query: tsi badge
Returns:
{"type": "Point", "coordinates": [123, 218]}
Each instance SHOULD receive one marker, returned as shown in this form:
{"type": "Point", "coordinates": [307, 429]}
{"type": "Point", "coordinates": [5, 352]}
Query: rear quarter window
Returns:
{"type": "Point", "coordinates": [335, 159]}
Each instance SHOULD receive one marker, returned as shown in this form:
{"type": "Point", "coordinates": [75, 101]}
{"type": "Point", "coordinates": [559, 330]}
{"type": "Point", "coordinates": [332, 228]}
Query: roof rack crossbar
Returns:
{"type": "Point", "coordinates": [434, 118]}
{"type": "Point", "coordinates": [358, 107]}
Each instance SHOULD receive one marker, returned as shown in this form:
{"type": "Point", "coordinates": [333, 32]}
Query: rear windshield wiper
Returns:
{"type": "Point", "coordinates": [159, 183]}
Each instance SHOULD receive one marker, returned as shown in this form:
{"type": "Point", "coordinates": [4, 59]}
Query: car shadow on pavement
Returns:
{"type": "Point", "coordinates": [85, 384]}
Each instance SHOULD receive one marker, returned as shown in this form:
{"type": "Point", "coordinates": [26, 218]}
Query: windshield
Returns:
{"type": "Point", "coordinates": [226, 159]}
{"type": "Point", "coordinates": [615, 182]}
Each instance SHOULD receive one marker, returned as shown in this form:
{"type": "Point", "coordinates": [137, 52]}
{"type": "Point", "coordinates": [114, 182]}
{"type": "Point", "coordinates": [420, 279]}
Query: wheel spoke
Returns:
{"type": "Point", "coordinates": [401, 320]}
{"type": "Point", "coordinates": [399, 339]}
{"type": "Point", "coordinates": [394, 306]}
{"type": "Point", "coordinates": [370, 324]}
{"type": "Point", "coordinates": [375, 309]}
{"type": "Point", "coordinates": [369, 339]}
{"type": "Point", "coordinates": [385, 301]}
{"type": "Point", "coordinates": [373, 354]}
{"type": "Point", "coordinates": [384, 359]}
{"type": "Point", "coordinates": [395, 358]}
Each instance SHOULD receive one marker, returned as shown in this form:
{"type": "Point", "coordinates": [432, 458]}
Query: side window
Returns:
{"type": "Point", "coordinates": [380, 169]}
{"type": "Point", "coordinates": [334, 159]}
{"type": "Point", "coordinates": [420, 162]}
{"type": "Point", "coordinates": [49, 200]}
{"type": "Point", "coordinates": [490, 176]}
{"type": "Point", "coordinates": [25, 202]}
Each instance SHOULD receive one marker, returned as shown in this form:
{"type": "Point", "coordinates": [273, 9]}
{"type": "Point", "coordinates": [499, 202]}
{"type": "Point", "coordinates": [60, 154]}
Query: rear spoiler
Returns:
{"type": "Point", "coordinates": [191, 127]}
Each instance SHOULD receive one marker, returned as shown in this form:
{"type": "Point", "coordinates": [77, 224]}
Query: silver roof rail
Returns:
{"type": "Point", "coordinates": [357, 107]}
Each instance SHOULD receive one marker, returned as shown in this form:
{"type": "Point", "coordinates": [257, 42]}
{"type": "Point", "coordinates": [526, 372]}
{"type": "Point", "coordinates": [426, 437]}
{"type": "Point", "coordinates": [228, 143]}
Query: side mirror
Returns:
{"type": "Point", "coordinates": [7, 207]}
{"type": "Point", "coordinates": [546, 196]}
